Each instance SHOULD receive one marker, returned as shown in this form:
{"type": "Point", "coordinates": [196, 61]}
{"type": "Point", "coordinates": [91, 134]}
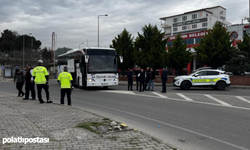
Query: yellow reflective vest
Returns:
{"type": "Point", "coordinates": [65, 79]}
{"type": "Point", "coordinates": [39, 73]}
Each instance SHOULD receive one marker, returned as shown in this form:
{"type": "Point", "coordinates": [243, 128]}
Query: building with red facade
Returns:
{"type": "Point", "coordinates": [193, 26]}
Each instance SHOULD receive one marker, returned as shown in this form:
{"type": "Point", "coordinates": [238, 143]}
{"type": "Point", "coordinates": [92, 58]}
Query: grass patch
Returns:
{"type": "Point", "coordinates": [92, 126]}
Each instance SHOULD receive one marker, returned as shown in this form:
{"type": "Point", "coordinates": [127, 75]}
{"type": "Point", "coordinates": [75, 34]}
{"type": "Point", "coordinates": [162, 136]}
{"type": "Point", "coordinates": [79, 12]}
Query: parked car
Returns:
{"type": "Point", "coordinates": [204, 77]}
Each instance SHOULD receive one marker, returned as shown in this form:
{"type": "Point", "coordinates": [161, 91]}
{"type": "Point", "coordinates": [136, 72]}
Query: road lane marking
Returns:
{"type": "Point", "coordinates": [160, 95]}
{"type": "Point", "coordinates": [243, 99]}
{"type": "Point", "coordinates": [184, 97]}
{"type": "Point", "coordinates": [171, 125]}
{"type": "Point", "coordinates": [182, 100]}
{"type": "Point", "coordinates": [217, 100]}
{"type": "Point", "coordinates": [120, 92]}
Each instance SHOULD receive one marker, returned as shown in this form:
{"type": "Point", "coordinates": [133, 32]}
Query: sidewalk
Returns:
{"type": "Point", "coordinates": [29, 119]}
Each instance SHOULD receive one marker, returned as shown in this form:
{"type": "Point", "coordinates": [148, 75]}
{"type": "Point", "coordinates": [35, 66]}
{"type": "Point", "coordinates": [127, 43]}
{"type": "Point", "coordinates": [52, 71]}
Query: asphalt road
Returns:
{"type": "Point", "coordinates": [198, 119]}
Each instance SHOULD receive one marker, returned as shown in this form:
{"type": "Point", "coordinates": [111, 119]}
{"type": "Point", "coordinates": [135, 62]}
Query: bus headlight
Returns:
{"type": "Point", "coordinates": [115, 79]}
{"type": "Point", "coordinates": [91, 80]}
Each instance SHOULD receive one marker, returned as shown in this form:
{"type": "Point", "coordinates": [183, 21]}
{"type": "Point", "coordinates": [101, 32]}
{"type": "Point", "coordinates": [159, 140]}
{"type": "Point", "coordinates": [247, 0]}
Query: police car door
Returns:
{"type": "Point", "coordinates": [198, 78]}
{"type": "Point", "coordinates": [212, 77]}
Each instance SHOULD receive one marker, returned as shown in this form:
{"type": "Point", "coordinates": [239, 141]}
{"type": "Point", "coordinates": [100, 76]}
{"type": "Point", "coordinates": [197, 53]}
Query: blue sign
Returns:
{"type": "Point", "coordinates": [3, 67]}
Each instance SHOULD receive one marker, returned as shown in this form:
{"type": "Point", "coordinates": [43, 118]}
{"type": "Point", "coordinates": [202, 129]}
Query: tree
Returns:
{"type": "Point", "coordinates": [62, 50]}
{"type": "Point", "coordinates": [240, 62]}
{"type": "Point", "coordinates": [150, 48]}
{"type": "Point", "coordinates": [178, 55]}
{"type": "Point", "coordinates": [7, 39]}
{"type": "Point", "coordinates": [215, 48]}
{"type": "Point", "coordinates": [123, 44]}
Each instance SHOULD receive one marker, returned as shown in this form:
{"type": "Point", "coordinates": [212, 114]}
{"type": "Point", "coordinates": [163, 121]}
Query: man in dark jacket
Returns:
{"type": "Point", "coordinates": [151, 79]}
{"type": "Point", "coordinates": [30, 85]}
{"type": "Point", "coordinates": [130, 79]}
{"type": "Point", "coordinates": [164, 79]}
{"type": "Point", "coordinates": [147, 78]}
{"type": "Point", "coordinates": [142, 80]}
{"type": "Point", "coordinates": [137, 71]}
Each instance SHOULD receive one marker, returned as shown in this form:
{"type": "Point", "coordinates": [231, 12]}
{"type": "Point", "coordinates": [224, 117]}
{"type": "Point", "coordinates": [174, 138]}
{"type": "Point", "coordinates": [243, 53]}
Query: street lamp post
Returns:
{"type": "Point", "coordinates": [98, 27]}
{"type": "Point", "coordinates": [80, 44]}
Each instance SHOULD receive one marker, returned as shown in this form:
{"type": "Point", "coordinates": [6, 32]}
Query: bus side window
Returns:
{"type": "Point", "coordinates": [115, 60]}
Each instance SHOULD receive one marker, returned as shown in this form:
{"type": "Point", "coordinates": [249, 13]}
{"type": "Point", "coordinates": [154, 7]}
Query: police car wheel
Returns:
{"type": "Point", "coordinates": [185, 85]}
{"type": "Point", "coordinates": [221, 85]}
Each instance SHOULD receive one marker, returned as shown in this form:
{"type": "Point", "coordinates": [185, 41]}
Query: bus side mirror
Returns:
{"type": "Point", "coordinates": [86, 58]}
{"type": "Point", "coordinates": [121, 59]}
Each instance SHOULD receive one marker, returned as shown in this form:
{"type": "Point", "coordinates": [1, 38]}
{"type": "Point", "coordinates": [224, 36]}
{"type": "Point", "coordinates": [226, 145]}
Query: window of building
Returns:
{"type": "Point", "coordinates": [184, 27]}
{"type": "Point", "coordinates": [194, 26]}
{"type": "Point", "coordinates": [170, 43]}
{"type": "Point", "coordinates": [175, 20]}
{"type": "Point", "coordinates": [204, 24]}
{"type": "Point", "coordinates": [189, 41]}
{"type": "Point", "coordinates": [194, 16]}
{"type": "Point", "coordinates": [197, 40]}
{"type": "Point", "coordinates": [175, 29]}
{"type": "Point", "coordinates": [184, 18]}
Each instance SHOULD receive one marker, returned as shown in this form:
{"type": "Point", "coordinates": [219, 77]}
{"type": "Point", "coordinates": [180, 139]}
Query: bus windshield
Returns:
{"type": "Point", "coordinates": [102, 61]}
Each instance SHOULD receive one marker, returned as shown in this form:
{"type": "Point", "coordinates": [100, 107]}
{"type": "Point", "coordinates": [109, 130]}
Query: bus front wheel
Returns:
{"type": "Point", "coordinates": [105, 87]}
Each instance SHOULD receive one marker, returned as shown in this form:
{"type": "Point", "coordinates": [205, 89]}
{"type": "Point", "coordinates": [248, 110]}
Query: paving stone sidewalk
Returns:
{"type": "Point", "coordinates": [29, 119]}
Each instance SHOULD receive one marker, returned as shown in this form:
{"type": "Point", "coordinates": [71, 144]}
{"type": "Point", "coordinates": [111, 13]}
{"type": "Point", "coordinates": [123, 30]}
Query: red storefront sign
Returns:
{"type": "Point", "coordinates": [188, 35]}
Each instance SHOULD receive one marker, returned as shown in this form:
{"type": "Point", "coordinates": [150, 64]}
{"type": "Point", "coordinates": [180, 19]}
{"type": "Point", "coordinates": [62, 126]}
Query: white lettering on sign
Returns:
{"type": "Point", "coordinates": [104, 76]}
{"type": "Point", "coordinates": [189, 35]}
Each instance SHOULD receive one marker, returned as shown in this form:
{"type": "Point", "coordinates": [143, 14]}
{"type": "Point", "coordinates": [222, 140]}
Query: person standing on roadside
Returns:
{"type": "Point", "coordinates": [30, 85]}
{"type": "Point", "coordinates": [41, 78]}
{"type": "Point", "coordinates": [147, 78]}
{"type": "Point", "coordinates": [142, 80]}
{"type": "Point", "coordinates": [130, 79]}
{"type": "Point", "coordinates": [19, 81]}
{"type": "Point", "coordinates": [151, 79]}
{"type": "Point", "coordinates": [64, 79]}
{"type": "Point", "coordinates": [164, 79]}
{"type": "Point", "coordinates": [137, 71]}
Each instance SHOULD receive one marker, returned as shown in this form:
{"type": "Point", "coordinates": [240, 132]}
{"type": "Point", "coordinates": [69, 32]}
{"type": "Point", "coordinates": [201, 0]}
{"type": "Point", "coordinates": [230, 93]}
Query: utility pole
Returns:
{"type": "Point", "coordinates": [53, 50]}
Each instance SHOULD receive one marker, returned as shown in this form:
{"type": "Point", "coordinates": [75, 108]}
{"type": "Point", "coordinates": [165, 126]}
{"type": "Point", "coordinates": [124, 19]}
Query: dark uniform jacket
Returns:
{"type": "Point", "coordinates": [142, 76]}
{"type": "Point", "coordinates": [164, 76]}
{"type": "Point", "coordinates": [130, 76]}
{"type": "Point", "coordinates": [152, 75]}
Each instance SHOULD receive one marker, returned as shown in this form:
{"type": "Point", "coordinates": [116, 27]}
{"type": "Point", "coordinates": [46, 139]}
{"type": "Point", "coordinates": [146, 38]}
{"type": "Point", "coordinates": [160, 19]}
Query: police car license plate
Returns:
{"type": "Point", "coordinates": [104, 83]}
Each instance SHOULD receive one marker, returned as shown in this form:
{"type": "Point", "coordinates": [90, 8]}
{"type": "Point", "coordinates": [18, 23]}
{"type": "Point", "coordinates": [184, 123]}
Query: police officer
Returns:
{"type": "Point", "coordinates": [164, 79]}
{"type": "Point", "coordinates": [142, 80]}
{"type": "Point", "coordinates": [137, 71]}
{"type": "Point", "coordinates": [41, 78]}
{"type": "Point", "coordinates": [130, 79]}
{"type": "Point", "coordinates": [65, 79]}
{"type": "Point", "coordinates": [30, 85]}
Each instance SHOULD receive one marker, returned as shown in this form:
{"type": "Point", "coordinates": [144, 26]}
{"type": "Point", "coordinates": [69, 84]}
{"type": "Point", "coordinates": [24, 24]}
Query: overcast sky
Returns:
{"type": "Point", "coordinates": [76, 21]}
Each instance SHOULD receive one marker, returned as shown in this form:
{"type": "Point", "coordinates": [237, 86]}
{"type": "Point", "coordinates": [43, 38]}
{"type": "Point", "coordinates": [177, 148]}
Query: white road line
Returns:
{"type": "Point", "coordinates": [217, 100]}
{"type": "Point", "coordinates": [171, 125]}
{"type": "Point", "coordinates": [159, 95]}
{"type": "Point", "coordinates": [243, 99]}
{"type": "Point", "coordinates": [120, 92]}
{"type": "Point", "coordinates": [184, 97]}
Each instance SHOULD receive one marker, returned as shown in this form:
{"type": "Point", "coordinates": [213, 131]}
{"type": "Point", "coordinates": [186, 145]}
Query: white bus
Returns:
{"type": "Point", "coordinates": [92, 66]}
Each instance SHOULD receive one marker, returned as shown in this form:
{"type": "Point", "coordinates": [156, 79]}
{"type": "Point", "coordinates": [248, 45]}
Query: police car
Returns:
{"type": "Point", "coordinates": [207, 77]}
